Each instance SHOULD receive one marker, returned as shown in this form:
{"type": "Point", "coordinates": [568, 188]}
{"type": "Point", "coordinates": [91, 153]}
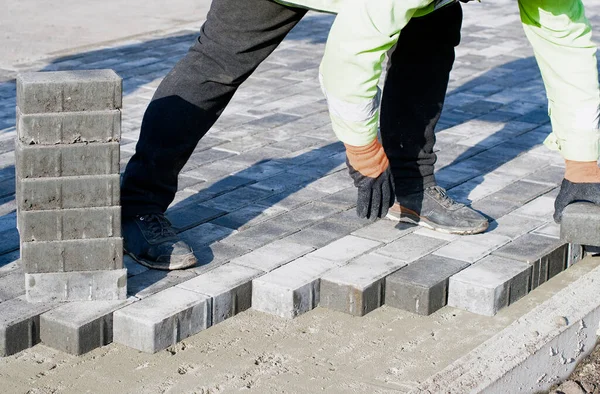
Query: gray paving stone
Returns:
{"type": "Point", "coordinates": [490, 285]}
{"type": "Point", "coordinates": [551, 230]}
{"type": "Point", "coordinates": [494, 208]}
{"type": "Point", "coordinates": [322, 233]}
{"type": "Point", "coordinates": [68, 192]}
{"type": "Point", "coordinates": [513, 226]}
{"type": "Point", "coordinates": [521, 192]}
{"type": "Point", "coordinates": [411, 247]}
{"type": "Point", "coordinates": [133, 267]}
{"type": "Point", "coordinates": [229, 286]}
{"type": "Point", "coordinates": [154, 281]}
{"type": "Point", "coordinates": [422, 287]}
{"type": "Point", "coordinates": [215, 255]}
{"type": "Point", "coordinates": [540, 208]}
{"type": "Point", "coordinates": [162, 320]}
{"type": "Point", "coordinates": [332, 183]}
{"type": "Point", "coordinates": [344, 199]}
{"type": "Point", "coordinates": [547, 256]}
{"type": "Point", "coordinates": [308, 214]}
{"type": "Point", "coordinates": [72, 255]}
{"type": "Point", "coordinates": [79, 327]}
{"type": "Point", "coordinates": [207, 190]}
{"type": "Point", "coordinates": [237, 199]}
{"type": "Point", "coordinates": [345, 249]}
{"type": "Point", "coordinates": [358, 288]}
{"type": "Point", "coordinates": [76, 286]}
{"type": "Point", "coordinates": [385, 231]}
{"type": "Point", "coordinates": [205, 234]}
{"type": "Point", "coordinates": [10, 262]}
{"type": "Point", "coordinates": [260, 235]}
{"type": "Point", "coordinates": [187, 217]}
{"type": "Point", "coordinates": [282, 182]}
{"type": "Point", "coordinates": [580, 224]}
{"type": "Point", "coordinates": [292, 289]}
{"type": "Point", "coordinates": [12, 285]}
{"type": "Point", "coordinates": [9, 241]}
{"type": "Point", "coordinates": [68, 91]}
{"type": "Point", "coordinates": [552, 175]}
{"type": "Point", "coordinates": [36, 161]}
{"type": "Point", "coordinates": [292, 198]}
{"type": "Point", "coordinates": [70, 224]}
{"type": "Point", "coordinates": [575, 253]}
{"type": "Point", "coordinates": [473, 247]}
{"type": "Point", "coordinates": [248, 216]}
{"type": "Point", "coordinates": [20, 324]}
{"type": "Point", "coordinates": [273, 255]}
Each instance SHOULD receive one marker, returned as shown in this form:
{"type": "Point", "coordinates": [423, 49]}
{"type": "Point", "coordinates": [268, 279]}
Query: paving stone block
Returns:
{"type": "Point", "coordinates": [490, 285]}
{"type": "Point", "coordinates": [185, 218]}
{"type": "Point", "coordinates": [9, 241]}
{"type": "Point", "coordinates": [12, 285]}
{"type": "Point", "coordinates": [332, 183]}
{"type": "Point", "coordinates": [521, 192]}
{"type": "Point", "coordinates": [574, 254]}
{"type": "Point", "coordinates": [322, 233]}
{"type": "Point", "coordinates": [292, 198]}
{"type": "Point", "coordinates": [473, 247]}
{"type": "Point", "coordinates": [76, 286]}
{"type": "Point", "coordinates": [68, 192]}
{"type": "Point", "coordinates": [308, 214]}
{"type": "Point", "coordinates": [72, 255]}
{"type": "Point", "coordinates": [68, 91]}
{"type": "Point", "coordinates": [70, 224]}
{"type": "Point", "coordinates": [551, 230]}
{"type": "Point", "coordinates": [36, 161]}
{"type": "Point", "coordinates": [385, 231]}
{"type": "Point", "coordinates": [20, 324]}
{"type": "Point", "coordinates": [229, 286]}
{"type": "Point", "coordinates": [79, 327]}
{"type": "Point", "coordinates": [580, 224]}
{"type": "Point", "coordinates": [513, 226]}
{"type": "Point", "coordinates": [411, 247]}
{"type": "Point", "coordinates": [547, 256]}
{"type": "Point", "coordinates": [273, 255]}
{"type": "Point", "coordinates": [154, 281]}
{"type": "Point", "coordinates": [422, 287]}
{"type": "Point", "coordinates": [292, 289]}
{"type": "Point", "coordinates": [10, 262]}
{"type": "Point", "coordinates": [161, 320]}
{"type": "Point", "coordinates": [345, 249]}
{"type": "Point", "coordinates": [260, 235]}
{"type": "Point", "coordinates": [133, 267]}
{"type": "Point", "coordinates": [358, 288]}
{"type": "Point", "coordinates": [237, 198]}
{"type": "Point", "coordinates": [248, 216]}
{"type": "Point", "coordinates": [215, 255]}
{"type": "Point", "coordinates": [540, 208]}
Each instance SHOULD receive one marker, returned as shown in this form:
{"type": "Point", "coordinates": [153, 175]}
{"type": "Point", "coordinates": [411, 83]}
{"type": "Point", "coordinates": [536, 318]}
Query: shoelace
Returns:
{"type": "Point", "coordinates": [158, 225]}
{"type": "Point", "coordinates": [443, 197]}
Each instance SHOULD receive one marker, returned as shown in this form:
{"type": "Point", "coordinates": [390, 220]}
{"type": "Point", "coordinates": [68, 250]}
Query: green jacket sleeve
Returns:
{"type": "Point", "coordinates": [362, 33]}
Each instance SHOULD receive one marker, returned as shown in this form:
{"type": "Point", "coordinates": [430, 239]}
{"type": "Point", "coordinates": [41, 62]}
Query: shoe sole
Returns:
{"type": "Point", "coordinates": [424, 222]}
{"type": "Point", "coordinates": [187, 262]}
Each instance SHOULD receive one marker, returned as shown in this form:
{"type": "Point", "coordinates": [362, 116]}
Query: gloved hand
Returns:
{"type": "Point", "coordinates": [370, 169]}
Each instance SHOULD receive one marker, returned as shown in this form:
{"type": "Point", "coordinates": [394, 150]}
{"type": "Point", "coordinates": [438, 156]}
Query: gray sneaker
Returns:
{"type": "Point", "coordinates": [151, 241]}
{"type": "Point", "coordinates": [434, 209]}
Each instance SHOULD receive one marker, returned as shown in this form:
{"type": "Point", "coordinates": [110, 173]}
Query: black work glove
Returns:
{"type": "Point", "coordinates": [375, 195]}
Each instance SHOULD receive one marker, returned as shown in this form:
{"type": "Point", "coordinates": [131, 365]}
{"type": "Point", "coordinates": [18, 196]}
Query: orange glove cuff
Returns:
{"type": "Point", "coordinates": [370, 160]}
{"type": "Point", "coordinates": [582, 171]}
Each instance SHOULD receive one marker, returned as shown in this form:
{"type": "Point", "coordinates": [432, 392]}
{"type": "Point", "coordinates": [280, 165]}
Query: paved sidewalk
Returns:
{"type": "Point", "coordinates": [270, 176]}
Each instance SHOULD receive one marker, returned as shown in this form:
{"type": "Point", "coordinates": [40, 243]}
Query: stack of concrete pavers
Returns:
{"type": "Point", "coordinates": [67, 165]}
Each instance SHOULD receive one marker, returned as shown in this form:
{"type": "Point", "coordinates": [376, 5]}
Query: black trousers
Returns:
{"type": "Point", "coordinates": [236, 37]}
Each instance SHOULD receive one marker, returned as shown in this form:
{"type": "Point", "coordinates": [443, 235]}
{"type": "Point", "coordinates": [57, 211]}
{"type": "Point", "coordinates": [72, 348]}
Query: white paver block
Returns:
{"type": "Point", "coordinates": [161, 320]}
{"type": "Point", "coordinates": [490, 285]}
{"type": "Point", "coordinates": [345, 249]}
{"type": "Point", "coordinates": [229, 286]}
{"type": "Point", "coordinates": [273, 255]}
{"type": "Point", "coordinates": [291, 290]}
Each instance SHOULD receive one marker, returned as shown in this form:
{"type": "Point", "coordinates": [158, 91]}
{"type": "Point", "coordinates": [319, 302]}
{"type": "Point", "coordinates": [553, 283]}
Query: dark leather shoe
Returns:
{"type": "Point", "coordinates": [434, 209]}
{"type": "Point", "coordinates": [151, 241]}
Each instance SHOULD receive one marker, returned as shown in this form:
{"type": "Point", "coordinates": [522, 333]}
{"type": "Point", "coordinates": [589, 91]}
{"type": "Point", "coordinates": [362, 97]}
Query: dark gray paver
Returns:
{"type": "Point", "coordinates": [422, 287]}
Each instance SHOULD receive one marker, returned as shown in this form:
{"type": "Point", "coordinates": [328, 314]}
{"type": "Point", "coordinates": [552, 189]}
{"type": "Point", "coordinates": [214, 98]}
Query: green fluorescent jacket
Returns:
{"type": "Point", "coordinates": [363, 31]}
